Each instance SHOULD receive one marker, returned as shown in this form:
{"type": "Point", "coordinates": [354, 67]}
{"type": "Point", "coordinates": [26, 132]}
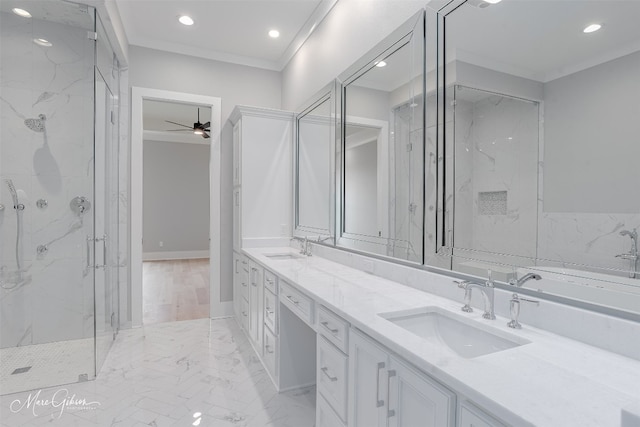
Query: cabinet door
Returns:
{"type": "Point", "coordinates": [470, 416]}
{"type": "Point", "coordinates": [237, 285]}
{"type": "Point", "coordinates": [368, 365]}
{"type": "Point", "coordinates": [237, 219]}
{"type": "Point", "coordinates": [256, 319]}
{"type": "Point", "coordinates": [417, 401]}
{"type": "Point", "coordinates": [237, 137]}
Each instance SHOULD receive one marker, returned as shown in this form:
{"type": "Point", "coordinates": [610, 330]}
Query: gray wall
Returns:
{"type": "Point", "coordinates": [351, 29]}
{"type": "Point", "coordinates": [592, 139]}
{"type": "Point", "coordinates": [175, 197]}
{"type": "Point", "coordinates": [235, 84]}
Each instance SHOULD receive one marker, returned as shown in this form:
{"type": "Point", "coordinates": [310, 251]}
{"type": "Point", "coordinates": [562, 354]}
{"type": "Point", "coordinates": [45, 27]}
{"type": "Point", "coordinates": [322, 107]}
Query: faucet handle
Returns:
{"type": "Point", "coordinates": [514, 308]}
{"type": "Point", "coordinates": [462, 284]}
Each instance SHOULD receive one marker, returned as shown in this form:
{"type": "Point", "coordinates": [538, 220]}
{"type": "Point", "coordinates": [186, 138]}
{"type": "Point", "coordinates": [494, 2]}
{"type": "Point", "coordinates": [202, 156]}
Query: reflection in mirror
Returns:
{"type": "Point", "coordinates": [314, 170]}
{"type": "Point", "coordinates": [545, 136]}
{"type": "Point", "coordinates": [383, 151]}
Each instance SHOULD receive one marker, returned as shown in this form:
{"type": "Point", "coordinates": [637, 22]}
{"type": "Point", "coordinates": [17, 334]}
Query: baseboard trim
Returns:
{"type": "Point", "coordinates": [162, 256]}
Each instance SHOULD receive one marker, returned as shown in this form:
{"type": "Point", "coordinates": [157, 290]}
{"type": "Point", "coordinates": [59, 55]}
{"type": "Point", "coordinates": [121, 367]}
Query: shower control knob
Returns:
{"type": "Point", "coordinates": [42, 203]}
{"type": "Point", "coordinates": [79, 205]}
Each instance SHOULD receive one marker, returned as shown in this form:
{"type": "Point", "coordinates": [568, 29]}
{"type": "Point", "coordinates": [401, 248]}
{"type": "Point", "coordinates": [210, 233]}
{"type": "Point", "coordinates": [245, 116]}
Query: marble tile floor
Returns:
{"type": "Point", "coordinates": [61, 362]}
{"type": "Point", "coordinates": [196, 372]}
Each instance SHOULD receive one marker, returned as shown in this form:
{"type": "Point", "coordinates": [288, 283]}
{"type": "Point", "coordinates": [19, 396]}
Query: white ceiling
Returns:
{"type": "Point", "coordinates": [227, 30]}
{"type": "Point", "coordinates": [543, 40]}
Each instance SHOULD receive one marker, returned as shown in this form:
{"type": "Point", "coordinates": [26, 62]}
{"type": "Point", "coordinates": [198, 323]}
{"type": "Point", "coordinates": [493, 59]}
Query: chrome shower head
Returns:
{"type": "Point", "coordinates": [36, 125]}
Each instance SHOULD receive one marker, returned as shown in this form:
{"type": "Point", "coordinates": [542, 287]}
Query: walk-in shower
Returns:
{"type": "Point", "coordinates": [58, 156]}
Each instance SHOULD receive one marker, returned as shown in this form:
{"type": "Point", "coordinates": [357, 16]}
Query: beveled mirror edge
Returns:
{"type": "Point", "coordinates": [436, 14]}
{"type": "Point", "coordinates": [394, 41]}
{"type": "Point", "coordinates": [331, 93]}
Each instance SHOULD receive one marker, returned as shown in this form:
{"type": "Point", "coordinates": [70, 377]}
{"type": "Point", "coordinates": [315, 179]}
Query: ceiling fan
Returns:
{"type": "Point", "coordinates": [197, 128]}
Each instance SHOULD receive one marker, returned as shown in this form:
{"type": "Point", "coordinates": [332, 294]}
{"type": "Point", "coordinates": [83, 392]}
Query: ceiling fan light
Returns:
{"type": "Point", "coordinates": [198, 131]}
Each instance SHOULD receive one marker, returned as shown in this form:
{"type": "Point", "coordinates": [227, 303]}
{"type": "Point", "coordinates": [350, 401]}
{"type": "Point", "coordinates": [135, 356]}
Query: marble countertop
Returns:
{"type": "Point", "coordinates": [552, 381]}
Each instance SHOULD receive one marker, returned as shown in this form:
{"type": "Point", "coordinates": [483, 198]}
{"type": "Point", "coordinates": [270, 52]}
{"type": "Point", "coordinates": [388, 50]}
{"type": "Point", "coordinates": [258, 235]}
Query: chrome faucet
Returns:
{"type": "Point", "coordinates": [305, 245]}
{"type": "Point", "coordinates": [487, 290]}
{"type": "Point", "coordinates": [632, 255]}
{"type": "Point", "coordinates": [519, 282]}
{"type": "Point", "coordinates": [515, 310]}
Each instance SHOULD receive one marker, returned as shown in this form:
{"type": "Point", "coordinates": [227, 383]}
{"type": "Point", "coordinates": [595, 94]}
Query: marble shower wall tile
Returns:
{"type": "Point", "coordinates": [586, 238]}
{"type": "Point", "coordinates": [55, 166]}
{"type": "Point", "coordinates": [496, 151]}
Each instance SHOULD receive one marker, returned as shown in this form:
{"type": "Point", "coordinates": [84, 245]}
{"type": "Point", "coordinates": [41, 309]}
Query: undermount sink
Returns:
{"type": "Point", "coordinates": [282, 256]}
{"type": "Point", "coordinates": [455, 332]}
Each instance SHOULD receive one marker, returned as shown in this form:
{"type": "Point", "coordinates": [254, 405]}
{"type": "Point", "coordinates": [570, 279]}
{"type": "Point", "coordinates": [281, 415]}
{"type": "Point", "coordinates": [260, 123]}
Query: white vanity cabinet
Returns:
{"type": "Point", "coordinates": [256, 318]}
{"type": "Point", "coordinates": [386, 391]}
{"type": "Point", "coordinates": [241, 289]}
{"type": "Point", "coordinates": [262, 142]}
{"type": "Point", "coordinates": [332, 368]}
{"type": "Point", "coordinates": [471, 416]}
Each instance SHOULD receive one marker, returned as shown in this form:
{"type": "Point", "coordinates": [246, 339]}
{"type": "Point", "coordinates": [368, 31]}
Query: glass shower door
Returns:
{"type": "Point", "coordinates": [47, 324]}
{"type": "Point", "coordinates": [107, 197]}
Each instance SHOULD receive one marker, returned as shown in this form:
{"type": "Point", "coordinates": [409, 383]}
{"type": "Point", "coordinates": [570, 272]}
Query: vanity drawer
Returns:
{"type": "Point", "coordinates": [332, 373]}
{"type": "Point", "coordinates": [298, 302]}
{"type": "Point", "coordinates": [334, 328]}
{"type": "Point", "coordinates": [325, 417]}
{"type": "Point", "coordinates": [244, 278]}
{"type": "Point", "coordinates": [271, 282]}
{"type": "Point", "coordinates": [244, 314]}
{"type": "Point", "coordinates": [269, 348]}
{"type": "Point", "coordinates": [470, 416]}
{"type": "Point", "coordinates": [271, 311]}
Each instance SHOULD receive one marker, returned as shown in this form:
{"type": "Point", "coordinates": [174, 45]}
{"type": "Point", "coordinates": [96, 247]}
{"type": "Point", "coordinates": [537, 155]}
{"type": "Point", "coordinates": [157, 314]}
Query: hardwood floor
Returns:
{"type": "Point", "coordinates": [175, 290]}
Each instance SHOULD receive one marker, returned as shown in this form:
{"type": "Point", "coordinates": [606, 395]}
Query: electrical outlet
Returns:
{"type": "Point", "coordinates": [161, 243]}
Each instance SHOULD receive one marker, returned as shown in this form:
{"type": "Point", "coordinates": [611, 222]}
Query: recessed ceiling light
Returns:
{"type": "Point", "coordinates": [381, 64]}
{"type": "Point", "coordinates": [21, 12]}
{"type": "Point", "coordinates": [274, 34]}
{"type": "Point", "coordinates": [492, 1]}
{"type": "Point", "coordinates": [592, 28]}
{"type": "Point", "coordinates": [185, 20]}
{"type": "Point", "coordinates": [43, 42]}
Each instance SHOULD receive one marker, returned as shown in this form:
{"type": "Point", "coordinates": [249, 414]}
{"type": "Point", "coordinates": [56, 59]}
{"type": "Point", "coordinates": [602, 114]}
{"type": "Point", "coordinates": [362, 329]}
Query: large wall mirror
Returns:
{"type": "Point", "coordinates": [382, 148]}
{"type": "Point", "coordinates": [314, 158]}
{"type": "Point", "coordinates": [542, 133]}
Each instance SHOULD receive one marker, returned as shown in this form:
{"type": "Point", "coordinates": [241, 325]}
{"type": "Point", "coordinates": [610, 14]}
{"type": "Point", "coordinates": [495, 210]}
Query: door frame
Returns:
{"type": "Point", "coordinates": [217, 308]}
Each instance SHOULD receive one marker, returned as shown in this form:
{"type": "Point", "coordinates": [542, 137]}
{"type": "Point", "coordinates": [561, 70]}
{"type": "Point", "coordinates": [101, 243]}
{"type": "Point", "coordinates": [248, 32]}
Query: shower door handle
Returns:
{"type": "Point", "coordinates": [89, 240]}
{"type": "Point", "coordinates": [104, 251]}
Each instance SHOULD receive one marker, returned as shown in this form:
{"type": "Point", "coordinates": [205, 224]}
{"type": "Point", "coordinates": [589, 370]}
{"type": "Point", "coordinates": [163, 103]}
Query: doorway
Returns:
{"type": "Point", "coordinates": [211, 108]}
{"type": "Point", "coordinates": [175, 226]}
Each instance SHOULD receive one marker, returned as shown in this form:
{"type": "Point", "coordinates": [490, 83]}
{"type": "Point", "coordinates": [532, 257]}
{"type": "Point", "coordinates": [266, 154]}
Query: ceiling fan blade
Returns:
{"type": "Point", "coordinates": [205, 135]}
{"type": "Point", "coordinates": [206, 125]}
{"type": "Point", "coordinates": [179, 124]}
{"type": "Point", "coordinates": [177, 130]}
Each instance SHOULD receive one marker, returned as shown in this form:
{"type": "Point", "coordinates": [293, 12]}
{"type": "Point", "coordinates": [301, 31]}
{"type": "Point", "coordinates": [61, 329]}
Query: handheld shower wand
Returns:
{"type": "Point", "coordinates": [19, 207]}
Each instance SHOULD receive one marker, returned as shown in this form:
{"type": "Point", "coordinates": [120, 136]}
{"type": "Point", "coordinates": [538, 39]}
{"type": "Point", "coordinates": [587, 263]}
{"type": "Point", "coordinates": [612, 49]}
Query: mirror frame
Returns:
{"type": "Point", "coordinates": [437, 13]}
{"type": "Point", "coordinates": [331, 93]}
{"type": "Point", "coordinates": [398, 38]}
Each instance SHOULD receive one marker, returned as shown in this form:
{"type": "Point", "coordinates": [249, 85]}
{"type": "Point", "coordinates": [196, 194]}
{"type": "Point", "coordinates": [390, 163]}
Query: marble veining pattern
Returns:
{"type": "Point", "coordinates": [172, 374]}
{"type": "Point", "coordinates": [56, 82]}
{"type": "Point", "coordinates": [564, 382]}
